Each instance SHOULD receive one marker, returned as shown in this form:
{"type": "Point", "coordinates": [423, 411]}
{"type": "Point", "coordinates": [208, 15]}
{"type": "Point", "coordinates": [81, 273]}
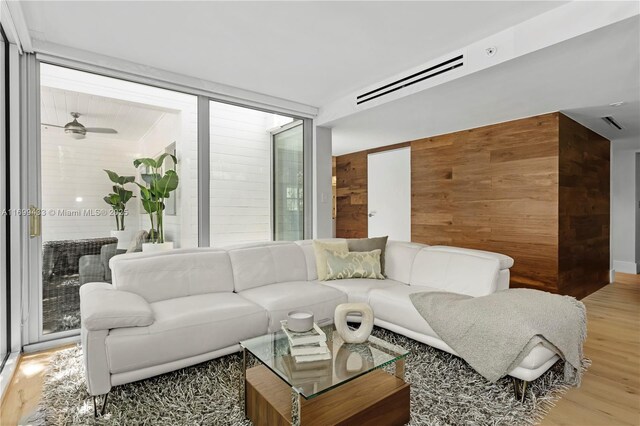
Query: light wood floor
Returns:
{"type": "Point", "coordinates": [609, 395]}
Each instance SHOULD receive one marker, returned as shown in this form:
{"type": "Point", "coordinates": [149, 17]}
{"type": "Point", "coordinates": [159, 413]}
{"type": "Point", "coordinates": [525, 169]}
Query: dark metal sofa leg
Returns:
{"type": "Point", "coordinates": [104, 406]}
{"type": "Point", "coordinates": [519, 388]}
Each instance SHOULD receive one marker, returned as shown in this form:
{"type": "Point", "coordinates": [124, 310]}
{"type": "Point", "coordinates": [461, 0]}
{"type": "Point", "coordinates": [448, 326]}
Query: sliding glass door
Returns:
{"type": "Point", "coordinates": [92, 128]}
{"type": "Point", "coordinates": [4, 300]}
{"type": "Point", "coordinates": [288, 183]}
{"type": "Point", "coordinates": [256, 175]}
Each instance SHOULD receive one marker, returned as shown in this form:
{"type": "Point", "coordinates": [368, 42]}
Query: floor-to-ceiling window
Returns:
{"type": "Point", "coordinates": [88, 124]}
{"type": "Point", "coordinates": [91, 124]}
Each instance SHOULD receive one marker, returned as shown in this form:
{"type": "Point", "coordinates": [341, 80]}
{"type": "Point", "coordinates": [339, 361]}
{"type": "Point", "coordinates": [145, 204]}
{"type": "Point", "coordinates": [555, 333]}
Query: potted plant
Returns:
{"type": "Point", "coordinates": [118, 200]}
{"type": "Point", "coordinates": [156, 189]}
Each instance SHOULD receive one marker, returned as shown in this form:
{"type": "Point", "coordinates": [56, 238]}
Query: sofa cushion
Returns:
{"type": "Point", "coordinates": [455, 272]}
{"type": "Point", "coordinates": [365, 264]}
{"type": "Point", "coordinates": [252, 267]}
{"type": "Point", "coordinates": [185, 327]}
{"type": "Point", "coordinates": [357, 289]}
{"type": "Point", "coordinates": [310, 257]}
{"type": "Point", "coordinates": [176, 273]}
{"type": "Point", "coordinates": [290, 262]}
{"type": "Point", "coordinates": [392, 304]}
{"type": "Point", "coordinates": [281, 298]}
{"type": "Point", "coordinates": [399, 257]}
{"type": "Point", "coordinates": [320, 248]}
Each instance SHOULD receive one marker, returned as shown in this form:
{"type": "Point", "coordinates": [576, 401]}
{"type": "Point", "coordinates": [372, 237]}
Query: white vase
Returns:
{"type": "Point", "coordinates": [157, 247]}
{"type": "Point", "coordinates": [124, 238]}
{"type": "Point", "coordinates": [362, 333]}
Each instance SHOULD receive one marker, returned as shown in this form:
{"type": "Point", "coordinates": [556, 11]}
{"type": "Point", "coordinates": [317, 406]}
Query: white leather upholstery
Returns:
{"type": "Point", "coordinates": [155, 276]}
{"type": "Point", "coordinates": [281, 298]}
{"type": "Point", "coordinates": [96, 364]}
{"type": "Point", "coordinates": [310, 257]}
{"type": "Point", "coordinates": [197, 315]}
{"type": "Point", "coordinates": [357, 290]}
{"type": "Point", "coordinates": [394, 306]}
{"type": "Point", "coordinates": [290, 262]}
{"type": "Point", "coordinates": [185, 327]}
{"type": "Point", "coordinates": [506, 262]}
{"type": "Point", "coordinates": [102, 308]}
{"type": "Point", "coordinates": [455, 272]}
{"type": "Point", "coordinates": [399, 257]}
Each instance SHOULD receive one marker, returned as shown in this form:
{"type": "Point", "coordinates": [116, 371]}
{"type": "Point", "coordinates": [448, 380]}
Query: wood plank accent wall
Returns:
{"type": "Point", "coordinates": [584, 209]}
{"type": "Point", "coordinates": [535, 189]}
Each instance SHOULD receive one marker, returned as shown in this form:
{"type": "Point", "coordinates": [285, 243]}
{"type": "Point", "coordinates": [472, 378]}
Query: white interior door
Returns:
{"type": "Point", "coordinates": [389, 194]}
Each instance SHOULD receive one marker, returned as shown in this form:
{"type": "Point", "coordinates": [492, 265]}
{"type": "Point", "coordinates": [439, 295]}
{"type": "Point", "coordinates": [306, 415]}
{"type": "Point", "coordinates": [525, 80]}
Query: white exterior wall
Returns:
{"type": "Point", "coordinates": [72, 169]}
{"type": "Point", "coordinates": [240, 173]}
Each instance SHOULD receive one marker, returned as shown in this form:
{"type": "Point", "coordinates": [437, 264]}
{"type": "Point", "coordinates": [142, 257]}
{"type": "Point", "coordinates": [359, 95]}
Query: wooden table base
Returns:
{"type": "Point", "coordinates": [377, 398]}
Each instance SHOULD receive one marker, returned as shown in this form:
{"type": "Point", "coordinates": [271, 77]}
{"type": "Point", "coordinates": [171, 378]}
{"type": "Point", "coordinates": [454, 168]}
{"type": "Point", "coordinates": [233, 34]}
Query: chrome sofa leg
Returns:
{"type": "Point", "coordinates": [519, 388]}
{"type": "Point", "coordinates": [95, 410]}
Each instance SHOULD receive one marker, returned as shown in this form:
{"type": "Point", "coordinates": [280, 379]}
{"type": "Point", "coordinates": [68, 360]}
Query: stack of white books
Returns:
{"type": "Point", "coordinates": [307, 346]}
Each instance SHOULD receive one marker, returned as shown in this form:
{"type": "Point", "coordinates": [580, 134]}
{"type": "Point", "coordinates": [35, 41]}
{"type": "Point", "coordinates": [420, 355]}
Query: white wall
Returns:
{"type": "Point", "coordinates": [167, 130]}
{"type": "Point", "coordinates": [624, 211]}
{"type": "Point", "coordinates": [72, 170]}
{"type": "Point", "coordinates": [240, 173]}
{"type": "Point", "coordinates": [322, 174]}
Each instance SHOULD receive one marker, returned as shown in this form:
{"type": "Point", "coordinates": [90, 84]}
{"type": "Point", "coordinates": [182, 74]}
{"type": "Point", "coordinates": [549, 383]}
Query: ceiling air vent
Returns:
{"type": "Point", "coordinates": [612, 122]}
{"type": "Point", "coordinates": [409, 80]}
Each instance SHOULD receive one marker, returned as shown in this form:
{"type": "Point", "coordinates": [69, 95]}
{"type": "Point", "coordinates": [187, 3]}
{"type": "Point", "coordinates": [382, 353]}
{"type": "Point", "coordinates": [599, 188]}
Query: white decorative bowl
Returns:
{"type": "Point", "coordinates": [300, 321]}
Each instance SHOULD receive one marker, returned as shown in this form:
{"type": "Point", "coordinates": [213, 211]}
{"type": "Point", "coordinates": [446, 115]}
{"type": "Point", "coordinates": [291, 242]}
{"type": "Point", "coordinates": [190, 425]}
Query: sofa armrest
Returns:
{"type": "Point", "coordinates": [102, 307]}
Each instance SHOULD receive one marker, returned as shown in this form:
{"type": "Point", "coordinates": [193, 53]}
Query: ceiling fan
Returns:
{"type": "Point", "coordinates": [77, 130]}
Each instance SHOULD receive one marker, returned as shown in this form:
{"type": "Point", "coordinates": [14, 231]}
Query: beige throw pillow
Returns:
{"type": "Point", "coordinates": [354, 265]}
{"type": "Point", "coordinates": [319, 248]}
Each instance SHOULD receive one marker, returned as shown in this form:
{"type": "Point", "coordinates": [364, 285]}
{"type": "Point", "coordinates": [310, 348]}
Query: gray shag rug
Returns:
{"type": "Point", "coordinates": [444, 391]}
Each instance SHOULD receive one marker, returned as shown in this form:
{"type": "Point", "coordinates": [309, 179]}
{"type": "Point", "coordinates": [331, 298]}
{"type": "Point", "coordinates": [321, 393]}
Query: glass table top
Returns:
{"type": "Point", "coordinates": [348, 360]}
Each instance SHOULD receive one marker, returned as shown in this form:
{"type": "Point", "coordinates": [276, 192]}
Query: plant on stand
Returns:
{"type": "Point", "coordinates": [118, 200]}
{"type": "Point", "coordinates": [156, 189]}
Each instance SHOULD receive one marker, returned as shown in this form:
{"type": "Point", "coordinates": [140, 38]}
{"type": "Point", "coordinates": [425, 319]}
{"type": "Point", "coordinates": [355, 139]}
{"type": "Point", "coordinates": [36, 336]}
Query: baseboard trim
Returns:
{"type": "Point", "coordinates": [43, 346]}
{"type": "Point", "coordinates": [625, 267]}
{"type": "Point", "coordinates": [7, 373]}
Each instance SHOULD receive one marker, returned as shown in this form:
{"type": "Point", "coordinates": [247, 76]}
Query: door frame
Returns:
{"type": "Point", "coordinates": [305, 180]}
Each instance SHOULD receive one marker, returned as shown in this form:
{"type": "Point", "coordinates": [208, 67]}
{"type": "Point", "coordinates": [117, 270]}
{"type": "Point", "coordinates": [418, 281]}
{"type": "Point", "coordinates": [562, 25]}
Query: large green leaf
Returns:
{"type": "Point", "coordinates": [168, 183]}
{"type": "Point", "coordinates": [113, 176]}
{"type": "Point", "coordinates": [126, 179]}
{"type": "Point", "coordinates": [124, 194]}
{"type": "Point", "coordinates": [149, 178]}
{"type": "Point", "coordinates": [149, 206]}
{"type": "Point", "coordinates": [161, 159]}
{"type": "Point", "coordinates": [149, 162]}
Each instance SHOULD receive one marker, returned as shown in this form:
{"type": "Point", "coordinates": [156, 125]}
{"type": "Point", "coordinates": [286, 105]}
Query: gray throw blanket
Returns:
{"type": "Point", "coordinates": [495, 333]}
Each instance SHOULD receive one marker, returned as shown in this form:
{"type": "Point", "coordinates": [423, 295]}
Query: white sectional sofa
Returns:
{"type": "Point", "coordinates": [166, 311]}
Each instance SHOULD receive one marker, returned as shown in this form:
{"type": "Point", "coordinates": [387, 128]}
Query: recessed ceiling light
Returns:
{"type": "Point", "coordinates": [78, 199]}
{"type": "Point", "coordinates": [616, 104]}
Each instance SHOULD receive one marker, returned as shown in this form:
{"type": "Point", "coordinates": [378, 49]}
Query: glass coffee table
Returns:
{"type": "Point", "coordinates": [349, 388]}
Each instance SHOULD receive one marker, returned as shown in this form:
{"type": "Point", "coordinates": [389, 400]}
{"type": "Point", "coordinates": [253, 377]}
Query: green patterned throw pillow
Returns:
{"type": "Point", "coordinates": [353, 265]}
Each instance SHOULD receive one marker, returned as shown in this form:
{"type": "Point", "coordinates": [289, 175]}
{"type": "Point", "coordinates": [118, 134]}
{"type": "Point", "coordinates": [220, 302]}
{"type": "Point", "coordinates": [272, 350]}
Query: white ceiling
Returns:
{"type": "Point", "coordinates": [131, 120]}
{"type": "Point", "coordinates": [579, 77]}
{"type": "Point", "coordinates": [309, 52]}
